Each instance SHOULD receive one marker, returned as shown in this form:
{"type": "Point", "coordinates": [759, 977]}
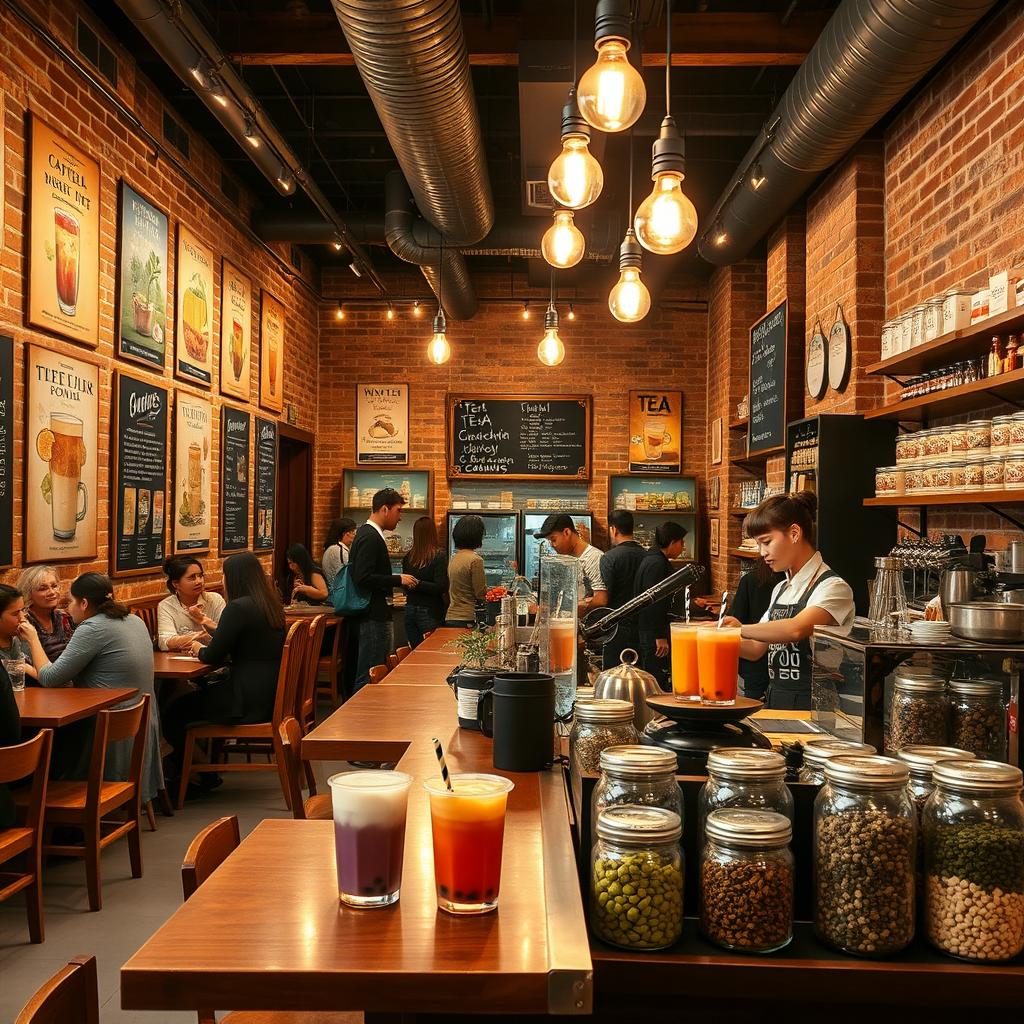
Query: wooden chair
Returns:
{"type": "Point", "coordinates": [330, 664]}
{"type": "Point", "coordinates": [22, 761]}
{"type": "Point", "coordinates": [378, 672]}
{"type": "Point", "coordinates": [392, 662]}
{"type": "Point", "coordinates": [314, 806]}
{"type": "Point", "coordinates": [292, 663]}
{"type": "Point", "coordinates": [305, 705]}
{"type": "Point", "coordinates": [147, 612]}
{"type": "Point", "coordinates": [401, 654]}
{"type": "Point", "coordinates": [71, 996]}
{"type": "Point", "coordinates": [89, 805]}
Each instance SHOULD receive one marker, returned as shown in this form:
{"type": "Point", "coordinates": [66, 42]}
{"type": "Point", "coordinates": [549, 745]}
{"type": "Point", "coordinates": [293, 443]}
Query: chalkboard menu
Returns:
{"type": "Point", "coordinates": [140, 475]}
{"type": "Point", "coordinates": [519, 437]}
{"type": "Point", "coordinates": [266, 483]}
{"type": "Point", "coordinates": [234, 478]}
{"type": "Point", "coordinates": [766, 428]}
{"type": "Point", "coordinates": [6, 444]}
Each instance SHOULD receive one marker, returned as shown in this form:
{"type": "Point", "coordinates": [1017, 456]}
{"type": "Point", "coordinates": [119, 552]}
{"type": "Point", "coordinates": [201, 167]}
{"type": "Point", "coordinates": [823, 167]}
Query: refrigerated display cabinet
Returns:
{"type": "Point", "coordinates": [501, 542]}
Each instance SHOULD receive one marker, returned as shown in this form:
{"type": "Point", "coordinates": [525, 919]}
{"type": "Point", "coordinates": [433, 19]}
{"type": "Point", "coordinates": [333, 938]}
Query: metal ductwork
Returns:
{"type": "Point", "coordinates": [413, 60]}
{"type": "Point", "coordinates": [871, 53]}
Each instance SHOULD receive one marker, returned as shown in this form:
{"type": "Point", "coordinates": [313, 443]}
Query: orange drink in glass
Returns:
{"type": "Point", "coordinates": [561, 645]}
{"type": "Point", "coordinates": [685, 676]}
{"type": "Point", "coordinates": [718, 660]}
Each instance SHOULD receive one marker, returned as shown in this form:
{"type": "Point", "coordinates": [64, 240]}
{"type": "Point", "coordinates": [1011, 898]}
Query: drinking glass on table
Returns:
{"type": "Point", "coordinates": [16, 670]}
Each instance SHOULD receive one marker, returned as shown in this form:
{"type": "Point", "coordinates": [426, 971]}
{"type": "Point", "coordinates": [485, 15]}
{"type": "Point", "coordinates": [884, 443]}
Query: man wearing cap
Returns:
{"type": "Point", "coordinates": [560, 532]}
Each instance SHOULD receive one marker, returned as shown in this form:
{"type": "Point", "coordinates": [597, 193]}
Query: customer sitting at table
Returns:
{"type": "Point", "coordinates": [424, 605]}
{"type": "Point", "coordinates": [337, 544]}
{"type": "Point", "coordinates": [467, 583]}
{"type": "Point", "coordinates": [10, 734]}
{"type": "Point", "coordinates": [40, 586]}
{"type": "Point", "coordinates": [652, 622]}
{"type": "Point", "coordinates": [12, 614]}
{"type": "Point", "coordinates": [109, 649]}
{"type": "Point", "coordinates": [191, 612]}
{"type": "Point", "coordinates": [306, 583]}
{"type": "Point", "coordinates": [250, 639]}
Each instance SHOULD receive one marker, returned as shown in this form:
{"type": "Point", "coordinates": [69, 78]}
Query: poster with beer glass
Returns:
{"type": "Point", "coordinates": [271, 353]}
{"type": "Point", "coordinates": [656, 432]}
{"type": "Point", "coordinates": [61, 444]}
{"type": "Point", "coordinates": [193, 321]}
{"type": "Point", "coordinates": [193, 472]}
{"type": "Point", "coordinates": [235, 331]}
{"type": "Point", "coordinates": [64, 237]}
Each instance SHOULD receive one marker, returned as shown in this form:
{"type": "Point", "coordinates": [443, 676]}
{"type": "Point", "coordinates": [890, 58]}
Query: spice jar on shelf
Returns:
{"type": "Point", "coordinates": [599, 724]}
{"type": "Point", "coordinates": [973, 827]}
{"type": "Point", "coordinates": [919, 712]}
{"type": "Point", "coordinates": [638, 775]}
{"type": "Point", "coordinates": [820, 749]}
{"type": "Point", "coordinates": [978, 717]}
{"type": "Point", "coordinates": [864, 837]}
{"type": "Point", "coordinates": [636, 895]}
{"type": "Point", "coordinates": [747, 880]}
{"type": "Point", "coordinates": [741, 777]}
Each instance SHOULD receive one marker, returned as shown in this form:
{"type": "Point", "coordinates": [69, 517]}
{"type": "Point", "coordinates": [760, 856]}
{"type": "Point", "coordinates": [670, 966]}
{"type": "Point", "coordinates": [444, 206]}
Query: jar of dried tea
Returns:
{"type": "Point", "coordinates": [978, 717]}
{"type": "Point", "coordinates": [742, 777]}
{"type": "Point", "coordinates": [921, 760]}
{"type": "Point", "coordinates": [599, 724]}
{"type": "Point", "coordinates": [919, 712]}
{"type": "Point", "coordinates": [818, 749]}
{"type": "Point", "coordinates": [639, 775]}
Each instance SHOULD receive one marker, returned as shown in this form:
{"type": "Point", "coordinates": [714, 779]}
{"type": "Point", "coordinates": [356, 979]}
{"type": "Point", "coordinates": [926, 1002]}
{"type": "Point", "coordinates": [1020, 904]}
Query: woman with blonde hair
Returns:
{"type": "Point", "coordinates": [40, 586]}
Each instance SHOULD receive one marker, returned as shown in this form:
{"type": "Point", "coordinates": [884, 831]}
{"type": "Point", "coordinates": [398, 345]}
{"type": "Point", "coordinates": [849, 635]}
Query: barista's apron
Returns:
{"type": "Point", "coordinates": [789, 665]}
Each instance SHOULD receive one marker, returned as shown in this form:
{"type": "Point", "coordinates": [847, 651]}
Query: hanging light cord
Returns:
{"type": "Point", "coordinates": [629, 198]}
{"type": "Point", "coordinates": [668, 57]}
{"type": "Point", "coordinates": [551, 297]}
{"type": "Point", "coordinates": [440, 280]}
{"type": "Point", "coordinates": [575, 43]}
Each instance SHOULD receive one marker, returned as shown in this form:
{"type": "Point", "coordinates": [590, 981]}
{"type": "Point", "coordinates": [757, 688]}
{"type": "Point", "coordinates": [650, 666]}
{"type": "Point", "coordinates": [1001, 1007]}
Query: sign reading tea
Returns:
{"type": "Point", "coordinates": [382, 424]}
{"type": "Point", "coordinates": [234, 478]}
{"type": "Point", "coordinates": [271, 353]}
{"type": "Point", "coordinates": [193, 353]}
{"type": "Point", "coordinates": [193, 486]}
{"type": "Point", "coordinates": [266, 483]}
{"type": "Point", "coordinates": [235, 331]}
{"type": "Point", "coordinates": [655, 432]}
{"type": "Point", "coordinates": [766, 428]}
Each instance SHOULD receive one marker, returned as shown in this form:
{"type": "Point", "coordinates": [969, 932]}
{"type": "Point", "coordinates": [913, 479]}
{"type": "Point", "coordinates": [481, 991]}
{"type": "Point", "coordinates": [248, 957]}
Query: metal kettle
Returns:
{"type": "Point", "coordinates": [957, 586]}
{"type": "Point", "coordinates": [627, 682]}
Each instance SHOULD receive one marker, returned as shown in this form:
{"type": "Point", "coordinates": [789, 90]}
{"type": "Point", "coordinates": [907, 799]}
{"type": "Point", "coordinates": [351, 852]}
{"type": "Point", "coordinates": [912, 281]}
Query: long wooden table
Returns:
{"type": "Point", "coordinates": [171, 665]}
{"type": "Point", "coordinates": [50, 708]}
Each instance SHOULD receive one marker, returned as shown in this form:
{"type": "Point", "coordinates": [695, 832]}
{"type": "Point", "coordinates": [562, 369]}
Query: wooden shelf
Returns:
{"type": "Point", "coordinates": [738, 424]}
{"type": "Point", "coordinates": [740, 511]}
{"type": "Point", "coordinates": [744, 553]}
{"type": "Point", "coordinates": [976, 498]}
{"type": "Point", "coordinates": [1005, 387]}
{"type": "Point", "coordinates": [753, 458]}
{"type": "Point", "coordinates": [967, 343]}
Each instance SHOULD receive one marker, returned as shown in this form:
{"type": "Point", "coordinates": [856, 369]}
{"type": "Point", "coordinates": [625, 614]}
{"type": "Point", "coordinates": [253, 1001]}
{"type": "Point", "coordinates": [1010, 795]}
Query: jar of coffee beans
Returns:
{"type": "Point", "coordinates": [973, 828]}
{"type": "Point", "coordinates": [636, 895]}
{"type": "Point", "coordinates": [978, 717]}
{"type": "Point", "coordinates": [919, 712]}
{"type": "Point", "coordinates": [632, 774]}
{"type": "Point", "coordinates": [599, 724]}
{"type": "Point", "coordinates": [746, 880]}
{"type": "Point", "coordinates": [739, 777]}
{"type": "Point", "coordinates": [820, 749]}
{"type": "Point", "coordinates": [864, 838]}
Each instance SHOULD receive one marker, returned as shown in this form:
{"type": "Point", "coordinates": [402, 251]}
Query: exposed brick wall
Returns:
{"type": "Point", "coordinates": [34, 78]}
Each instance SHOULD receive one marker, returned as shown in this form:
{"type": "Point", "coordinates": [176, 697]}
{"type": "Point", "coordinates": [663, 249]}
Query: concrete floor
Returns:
{"type": "Point", "coordinates": [132, 908]}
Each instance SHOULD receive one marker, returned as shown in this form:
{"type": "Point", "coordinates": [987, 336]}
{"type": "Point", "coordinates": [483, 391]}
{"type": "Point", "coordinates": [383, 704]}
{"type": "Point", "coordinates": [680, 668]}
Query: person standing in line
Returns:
{"type": "Point", "coordinates": [424, 606]}
{"type": "Point", "coordinates": [467, 583]}
{"type": "Point", "coordinates": [618, 570]}
{"type": "Point", "coordinates": [337, 544]}
{"type": "Point", "coordinates": [653, 620]}
{"type": "Point", "coordinates": [370, 567]}
{"type": "Point", "coordinates": [560, 532]}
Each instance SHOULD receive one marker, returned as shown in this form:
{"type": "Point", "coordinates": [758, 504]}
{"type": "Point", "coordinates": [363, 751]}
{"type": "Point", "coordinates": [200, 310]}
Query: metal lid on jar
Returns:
{"type": "Point", "coordinates": [866, 770]}
{"type": "Point", "coordinates": [604, 710]}
{"type": "Point", "coordinates": [976, 687]}
{"type": "Point", "coordinates": [977, 776]}
{"type": "Point", "coordinates": [817, 753]}
{"type": "Point", "coordinates": [926, 682]}
{"type": "Point", "coordinates": [921, 758]}
{"type": "Point", "coordinates": [584, 693]}
{"type": "Point", "coordinates": [633, 761]}
{"type": "Point", "coordinates": [638, 826]}
{"type": "Point", "coordinates": [745, 827]}
{"type": "Point", "coordinates": [748, 764]}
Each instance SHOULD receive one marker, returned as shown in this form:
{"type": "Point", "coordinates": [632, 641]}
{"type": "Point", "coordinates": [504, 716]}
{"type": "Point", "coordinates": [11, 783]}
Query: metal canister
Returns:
{"type": "Point", "coordinates": [528, 658]}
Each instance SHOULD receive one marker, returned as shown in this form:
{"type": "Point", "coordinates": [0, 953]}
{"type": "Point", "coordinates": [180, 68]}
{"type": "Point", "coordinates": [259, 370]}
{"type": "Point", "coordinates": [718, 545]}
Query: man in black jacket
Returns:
{"type": "Point", "coordinates": [370, 569]}
{"type": "Point", "coordinates": [656, 566]}
{"type": "Point", "coordinates": [618, 570]}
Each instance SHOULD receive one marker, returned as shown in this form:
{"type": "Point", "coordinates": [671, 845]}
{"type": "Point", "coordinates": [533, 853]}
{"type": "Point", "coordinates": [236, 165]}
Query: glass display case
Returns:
{"type": "Point", "coordinates": [888, 693]}
{"type": "Point", "coordinates": [654, 501]}
{"type": "Point", "coordinates": [358, 486]}
{"type": "Point", "coordinates": [556, 622]}
{"type": "Point", "coordinates": [500, 548]}
{"type": "Point", "coordinates": [532, 546]}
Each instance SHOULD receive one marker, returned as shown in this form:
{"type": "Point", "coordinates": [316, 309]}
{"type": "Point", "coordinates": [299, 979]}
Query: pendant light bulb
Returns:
{"type": "Point", "coordinates": [551, 351]}
{"type": "Point", "coordinates": [563, 243]}
{"type": "Point", "coordinates": [575, 178]}
{"type": "Point", "coordinates": [629, 301]}
{"type": "Point", "coordinates": [438, 349]}
{"type": "Point", "coordinates": [611, 93]}
{"type": "Point", "coordinates": [666, 221]}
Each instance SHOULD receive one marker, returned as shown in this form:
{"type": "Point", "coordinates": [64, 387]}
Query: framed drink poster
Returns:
{"type": "Point", "coordinates": [382, 424]}
{"type": "Point", "coordinates": [61, 446]}
{"type": "Point", "coordinates": [64, 237]}
{"type": "Point", "coordinates": [271, 353]}
{"type": "Point", "coordinates": [234, 478]}
{"type": "Point", "coordinates": [140, 475]}
{"type": "Point", "coordinates": [265, 488]}
{"type": "Point", "coordinates": [6, 449]}
{"type": "Point", "coordinates": [235, 331]}
{"type": "Point", "coordinates": [193, 486]}
{"type": "Point", "coordinates": [193, 321]}
{"type": "Point", "coordinates": [141, 279]}
{"type": "Point", "coordinates": [656, 432]}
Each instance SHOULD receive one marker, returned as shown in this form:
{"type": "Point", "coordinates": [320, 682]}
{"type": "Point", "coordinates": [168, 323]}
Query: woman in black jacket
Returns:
{"type": "Point", "coordinates": [653, 620]}
{"type": "Point", "coordinates": [10, 734]}
{"type": "Point", "coordinates": [424, 604]}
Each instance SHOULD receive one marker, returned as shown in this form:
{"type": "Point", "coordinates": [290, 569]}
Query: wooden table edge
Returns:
{"type": "Point", "coordinates": [111, 697]}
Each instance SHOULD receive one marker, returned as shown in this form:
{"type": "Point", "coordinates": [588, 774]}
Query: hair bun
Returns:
{"type": "Point", "coordinates": [808, 499]}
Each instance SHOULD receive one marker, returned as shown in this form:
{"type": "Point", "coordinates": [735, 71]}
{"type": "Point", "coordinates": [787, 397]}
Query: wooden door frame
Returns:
{"type": "Point", "coordinates": [303, 437]}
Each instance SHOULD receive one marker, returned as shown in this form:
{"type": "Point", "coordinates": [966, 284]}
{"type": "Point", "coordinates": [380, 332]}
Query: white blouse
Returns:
{"type": "Point", "coordinates": [172, 617]}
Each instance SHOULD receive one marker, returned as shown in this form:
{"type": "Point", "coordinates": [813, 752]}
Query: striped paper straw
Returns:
{"type": "Point", "coordinates": [440, 760]}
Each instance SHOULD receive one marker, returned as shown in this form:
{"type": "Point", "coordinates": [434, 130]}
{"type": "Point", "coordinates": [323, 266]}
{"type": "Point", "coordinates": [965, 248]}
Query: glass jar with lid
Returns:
{"type": "Point", "coordinates": [978, 717]}
{"type": "Point", "coordinates": [636, 894]}
{"type": "Point", "coordinates": [864, 839]}
{"type": "Point", "coordinates": [746, 880]}
{"type": "Point", "coordinates": [741, 777]}
{"type": "Point", "coordinates": [639, 775]}
{"type": "Point", "coordinates": [919, 712]}
{"type": "Point", "coordinates": [973, 825]}
{"type": "Point", "coordinates": [819, 749]}
{"type": "Point", "coordinates": [921, 759]}
{"type": "Point", "coordinates": [599, 724]}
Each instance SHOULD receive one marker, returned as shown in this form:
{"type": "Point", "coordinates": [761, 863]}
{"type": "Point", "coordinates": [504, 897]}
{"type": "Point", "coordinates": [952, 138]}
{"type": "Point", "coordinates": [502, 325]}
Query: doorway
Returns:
{"type": "Point", "coordinates": [294, 496]}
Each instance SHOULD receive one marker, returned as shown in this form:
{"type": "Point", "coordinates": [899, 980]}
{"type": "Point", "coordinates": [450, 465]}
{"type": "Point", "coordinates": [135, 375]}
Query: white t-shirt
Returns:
{"type": "Point", "coordinates": [833, 594]}
{"type": "Point", "coordinates": [590, 571]}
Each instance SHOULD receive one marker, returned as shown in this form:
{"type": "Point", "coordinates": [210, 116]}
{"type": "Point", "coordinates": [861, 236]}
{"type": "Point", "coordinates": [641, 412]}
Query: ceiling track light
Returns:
{"type": "Point", "coordinates": [563, 244]}
{"type": "Point", "coordinates": [417, 310]}
{"type": "Point", "coordinates": [285, 181]}
{"type": "Point", "coordinates": [216, 90]}
{"type": "Point", "coordinates": [340, 314]}
{"type": "Point", "coordinates": [251, 133]}
{"type": "Point", "coordinates": [718, 234]}
{"type": "Point", "coordinates": [200, 71]}
{"type": "Point", "coordinates": [526, 310]}
{"type": "Point", "coordinates": [611, 94]}
{"type": "Point", "coordinates": [757, 177]}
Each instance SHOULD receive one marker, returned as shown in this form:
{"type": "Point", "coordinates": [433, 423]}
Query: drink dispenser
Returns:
{"type": "Point", "coordinates": [556, 625]}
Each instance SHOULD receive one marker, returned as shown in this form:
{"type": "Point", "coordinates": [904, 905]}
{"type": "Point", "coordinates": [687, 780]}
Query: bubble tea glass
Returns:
{"type": "Point", "coordinates": [468, 827]}
{"type": "Point", "coordinates": [369, 835]}
{"type": "Point", "coordinates": [561, 644]}
{"type": "Point", "coordinates": [718, 660]}
{"type": "Point", "coordinates": [685, 674]}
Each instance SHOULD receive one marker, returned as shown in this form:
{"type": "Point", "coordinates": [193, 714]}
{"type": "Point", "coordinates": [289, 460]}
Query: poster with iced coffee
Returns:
{"type": "Point", "coordinates": [139, 474]}
{"type": "Point", "coordinates": [235, 331]}
{"type": "Point", "coordinates": [656, 432]}
{"type": "Point", "coordinates": [64, 237]}
{"type": "Point", "coordinates": [193, 321]}
{"type": "Point", "coordinates": [61, 444]}
{"type": "Point", "coordinates": [265, 487]}
{"type": "Point", "coordinates": [193, 472]}
{"type": "Point", "coordinates": [271, 353]}
{"type": "Point", "coordinates": [141, 279]}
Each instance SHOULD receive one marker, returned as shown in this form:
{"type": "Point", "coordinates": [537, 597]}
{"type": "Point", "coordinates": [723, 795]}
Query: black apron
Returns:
{"type": "Point", "coordinates": [789, 665]}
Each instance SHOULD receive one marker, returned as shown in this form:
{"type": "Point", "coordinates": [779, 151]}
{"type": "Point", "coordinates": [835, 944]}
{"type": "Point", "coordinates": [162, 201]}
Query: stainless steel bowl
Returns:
{"type": "Point", "coordinates": [988, 622]}
{"type": "Point", "coordinates": [1011, 596]}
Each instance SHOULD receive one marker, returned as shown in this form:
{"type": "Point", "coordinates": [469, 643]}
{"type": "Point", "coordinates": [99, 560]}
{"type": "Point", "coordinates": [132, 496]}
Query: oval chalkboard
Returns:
{"type": "Point", "coordinates": [767, 424]}
{"type": "Point", "coordinates": [519, 437]}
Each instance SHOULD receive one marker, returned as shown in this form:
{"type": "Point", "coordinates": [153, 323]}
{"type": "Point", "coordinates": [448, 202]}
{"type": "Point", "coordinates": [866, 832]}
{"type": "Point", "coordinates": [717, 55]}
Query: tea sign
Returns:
{"type": "Point", "coordinates": [193, 471]}
{"type": "Point", "coordinates": [235, 331]}
{"type": "Point", "coordinates": [656, 432]}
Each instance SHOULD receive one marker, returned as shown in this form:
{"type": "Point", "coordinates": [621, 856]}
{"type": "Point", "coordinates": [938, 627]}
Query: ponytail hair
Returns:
{"type": "Point", "coordinates": [781, 511]}
{"type": "Point", "coordinates": [98, 590]}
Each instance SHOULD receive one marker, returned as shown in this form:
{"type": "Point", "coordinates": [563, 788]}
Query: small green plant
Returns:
{"type": "Point", "coordinates": [476, 646]}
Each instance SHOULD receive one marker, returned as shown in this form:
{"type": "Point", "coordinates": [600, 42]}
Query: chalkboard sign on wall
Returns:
{"type": "Point", "coordinates": [6, 440]}
{"type": "Point", "coordinates": [519, 437]}
{"type": "Point", "coordinates": [140, 475]}
{"type": "Point", "coordinates": [234, 479]}
{"type": "Point", "coordinates": [266, 484]}
{"type": "Point", "coordinates": [766, 428]}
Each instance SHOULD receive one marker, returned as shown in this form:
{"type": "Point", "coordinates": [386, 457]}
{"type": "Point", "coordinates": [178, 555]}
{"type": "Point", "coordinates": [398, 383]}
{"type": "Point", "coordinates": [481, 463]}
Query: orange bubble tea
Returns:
{"type": "Point", "coordinates": [685, 684]}
{"type": "Point", "coordinates": [718, 659]}
{"type": "Point", "coordinates": [561, 645]}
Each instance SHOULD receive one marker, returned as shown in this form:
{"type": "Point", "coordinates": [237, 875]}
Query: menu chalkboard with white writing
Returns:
{"type": "Point", "coordinates": [234, 479]}
{"type": "Point", "coordinates": [519, 437]}
{"type": "Point", "coordinates": [6, 443]}
{"type": "Point", "coordinates": [266, 484]}
{"type": "Point", "coordinates": [767, 424]}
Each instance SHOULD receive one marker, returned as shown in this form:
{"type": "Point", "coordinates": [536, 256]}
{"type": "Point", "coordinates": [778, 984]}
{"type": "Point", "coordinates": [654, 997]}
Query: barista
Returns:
{"type": "Point", "coordinates": [810, 595]}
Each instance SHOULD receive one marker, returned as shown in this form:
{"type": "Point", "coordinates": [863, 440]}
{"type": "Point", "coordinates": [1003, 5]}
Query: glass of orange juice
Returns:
{"type": "Point", "coordinates": [718, 661]}
{"type": "Point", "coordinates": [685, 677]}
{"type": "Point", "coordinates": [561, 645]}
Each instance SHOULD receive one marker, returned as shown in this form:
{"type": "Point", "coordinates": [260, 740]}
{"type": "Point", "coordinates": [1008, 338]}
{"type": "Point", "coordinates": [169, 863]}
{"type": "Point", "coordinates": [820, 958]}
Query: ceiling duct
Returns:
{"type": "Point", "coordinates": [871, 53]}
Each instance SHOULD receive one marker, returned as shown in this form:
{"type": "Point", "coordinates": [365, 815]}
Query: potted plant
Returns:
{"type": "Point", "coordinates": [144, 277]}
{"type": "Point", "coordinates": [475, 647]}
